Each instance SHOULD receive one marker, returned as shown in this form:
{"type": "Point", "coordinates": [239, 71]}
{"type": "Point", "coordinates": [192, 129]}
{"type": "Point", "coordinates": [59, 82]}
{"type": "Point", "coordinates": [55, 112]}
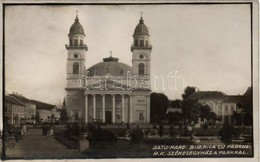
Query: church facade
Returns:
{"type": "Point", "coordinates": [109, 91]}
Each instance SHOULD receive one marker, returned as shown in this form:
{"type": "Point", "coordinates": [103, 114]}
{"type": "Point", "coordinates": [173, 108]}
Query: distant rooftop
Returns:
{"type": "Point", "coordinates": [13, 100]}
{"type": "Point", "coordinates": [21, 98]}
{"type": "Point", "coordinates": [208, 94]}
{"type": "Point", "coordinates": [43, 106]}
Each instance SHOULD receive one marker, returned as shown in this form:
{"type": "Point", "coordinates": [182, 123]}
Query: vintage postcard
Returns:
{"type": "Point", "coordinates": [88, 80]}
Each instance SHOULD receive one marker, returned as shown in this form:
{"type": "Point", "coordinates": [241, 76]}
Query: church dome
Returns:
{"type": "Point", "coordinates": [110, 66]}
{"type": "Point", "coordinates": [76, 28]}
{"type": "Point", "coordinates": [141, 28]}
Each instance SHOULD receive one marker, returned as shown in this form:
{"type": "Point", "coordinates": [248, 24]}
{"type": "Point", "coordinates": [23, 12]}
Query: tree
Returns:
{"type": "Point", "coordinates": [159, 106]}
{"type": "Point", "coordinates": [37, 117]}
{"type": "Point", "coordinates": [190, 110]}
{"type": "Point", "coordinates": [190, 106]}
{"type": "Point", "coordinates": [176, 103]}
{"type": "Point", "coordinates": [188, 91]}
{"type": "Point", "coordinates": [174, 117]}
{"type": "Point", "coordinates": [64, 116]}
{"type": "Point", "coordinates": [207, 113]}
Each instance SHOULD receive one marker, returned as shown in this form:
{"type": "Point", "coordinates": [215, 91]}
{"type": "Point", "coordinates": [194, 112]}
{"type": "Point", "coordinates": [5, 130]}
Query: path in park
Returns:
{"type": "Point", "coordinates": [34, 146]}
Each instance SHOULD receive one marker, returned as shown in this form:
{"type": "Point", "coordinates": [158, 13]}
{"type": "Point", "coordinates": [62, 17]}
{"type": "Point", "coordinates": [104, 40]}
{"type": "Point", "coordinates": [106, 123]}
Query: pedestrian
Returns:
{"type": "Point", "coordinates": [161, 130]}
{"type": "Point", "coordinates": [180, 127]}
{"type": "Point", "coordinates": [24, 127]}
{"type": "Point", "coordinates": [172, 133]}
{"type": "Point", "coordinates": [44, 131]}
{"type": "Point", "coordinates": [22, 130]}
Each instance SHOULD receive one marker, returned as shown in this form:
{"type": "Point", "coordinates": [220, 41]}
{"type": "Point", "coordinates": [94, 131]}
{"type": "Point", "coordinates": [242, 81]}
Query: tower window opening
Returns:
{"type": "Point", "coordinates": [76, 68]}
{"type": "Point", "coordinates": [71, 42]}
{"type": "Point", "coordinates": [146, 43]}
{"type": "Point", "coordinates": [75, 42]}
{"type": "Point", "coordinates": [141, 43]}
{"type": "Point", "coordinates": [136, 42]}
{"type": "Point", "coordinates": [81, 42]}
{"type": "Point", "coordinates": [141, 69]}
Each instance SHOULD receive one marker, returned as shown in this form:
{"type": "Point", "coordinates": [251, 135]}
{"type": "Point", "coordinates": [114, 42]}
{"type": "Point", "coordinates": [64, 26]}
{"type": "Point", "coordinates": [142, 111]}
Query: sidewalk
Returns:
{"type": "Point", "coordinates": [34, 146]}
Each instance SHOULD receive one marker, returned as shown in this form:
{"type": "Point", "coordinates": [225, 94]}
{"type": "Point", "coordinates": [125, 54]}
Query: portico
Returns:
{"type": "Point", "coordinates": [108, 107]}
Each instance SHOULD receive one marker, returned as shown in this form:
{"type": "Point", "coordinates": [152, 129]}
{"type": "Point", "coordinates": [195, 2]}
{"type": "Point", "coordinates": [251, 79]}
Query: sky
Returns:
{"type": "Point", "coordinates": [206, 46]}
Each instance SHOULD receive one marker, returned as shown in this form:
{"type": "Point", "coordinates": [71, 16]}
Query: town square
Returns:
{"type": "Point", "coordinates": [128, 81]}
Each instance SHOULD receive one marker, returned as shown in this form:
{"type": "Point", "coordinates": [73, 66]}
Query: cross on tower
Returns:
{"type": "Point", "coordinates": [110, 53]}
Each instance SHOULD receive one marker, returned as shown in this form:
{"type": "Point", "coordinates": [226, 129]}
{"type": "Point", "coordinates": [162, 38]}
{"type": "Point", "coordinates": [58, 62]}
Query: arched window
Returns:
{"type": "Point", "coordinates": [75, 42]}
{"type": "Point", "coordinates": [76, 68]}
{"type": "Point", "coordinates": [136, 42]}
{"type": "Point", "coordinates": [81, 42]}
{"type": "Point", "coordinates": [142, 43]}
{"type": "Point", "coordinates": [141, 69]}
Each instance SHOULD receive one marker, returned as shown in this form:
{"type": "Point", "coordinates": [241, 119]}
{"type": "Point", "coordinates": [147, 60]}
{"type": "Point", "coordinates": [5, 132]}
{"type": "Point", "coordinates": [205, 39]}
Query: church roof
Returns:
{"type": "Point", "coordinates": [110, 65]}
{"type": "Point", "coordinates": [76, 28]}
{"type": "Point", "coordinates": [141, 28]}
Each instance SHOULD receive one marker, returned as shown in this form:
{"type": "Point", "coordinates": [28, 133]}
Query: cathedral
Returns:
{"type": "Point", "coordinates": [109, 91]}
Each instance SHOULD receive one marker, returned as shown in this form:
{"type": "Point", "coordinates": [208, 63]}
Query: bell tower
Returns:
{"type": "Point", "coordinates": [141, 56]}
{"type": "Point", "coordinates": [76, 50]}
{"type": "Point", "coordinates": [141, 50]}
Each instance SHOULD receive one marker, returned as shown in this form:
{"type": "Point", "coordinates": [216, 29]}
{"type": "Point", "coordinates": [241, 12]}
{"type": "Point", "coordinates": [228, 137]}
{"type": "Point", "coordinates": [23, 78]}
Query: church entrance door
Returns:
{"type": "Point", "coordinates": [108, 117]}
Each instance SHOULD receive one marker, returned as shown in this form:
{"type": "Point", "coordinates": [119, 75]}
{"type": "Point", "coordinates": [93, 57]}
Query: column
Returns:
{"type": "Point", "coordinates": [123, 108]}
{"type": "Point", "coordinates": [113, 109]}
{"type": "Point", "coordinates": [131, 109]}
{"type": "Point", "coordinates": [148, 109]}
{"type": "Point", "coordinates": [86, 108]}
{"type": "Point", "coordinates": [103, 107]}
{"type": "Point", "coordinates": [94, 107]}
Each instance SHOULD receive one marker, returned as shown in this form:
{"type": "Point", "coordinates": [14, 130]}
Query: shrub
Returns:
{"type": "Point", "coordinates": [137, 136]}
{"type": "Point", "coordinates": [100, 135]}
{"type": "Point", "coordinates": [226, 132]}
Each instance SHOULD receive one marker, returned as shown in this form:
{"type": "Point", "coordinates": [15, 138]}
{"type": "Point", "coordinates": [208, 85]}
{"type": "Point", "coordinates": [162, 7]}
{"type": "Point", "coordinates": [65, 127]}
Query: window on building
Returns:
{"type": "Point", "coordinates": [75, 42]}
{"type": "Point", "coordinates": [146, 43]}
{"type": "Point", "coordinates": [141, 43]}
{"type": "Point", "coordinates": [71, 42]}
{"type": "Point", "coordinates": [226, 108]}
{"type": "Point", "coordinates": [141, 69]}
{"type": "Point", "coordinates": [81, 42]}
{"type": "Point", "coordinates": [219, 110]}
{"type": "Point", "coordinates": [136, 42]}
{"type": "Point", "coordinates": [76, 68]}
{"type": "Point", "coordinates": [232, 108]}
